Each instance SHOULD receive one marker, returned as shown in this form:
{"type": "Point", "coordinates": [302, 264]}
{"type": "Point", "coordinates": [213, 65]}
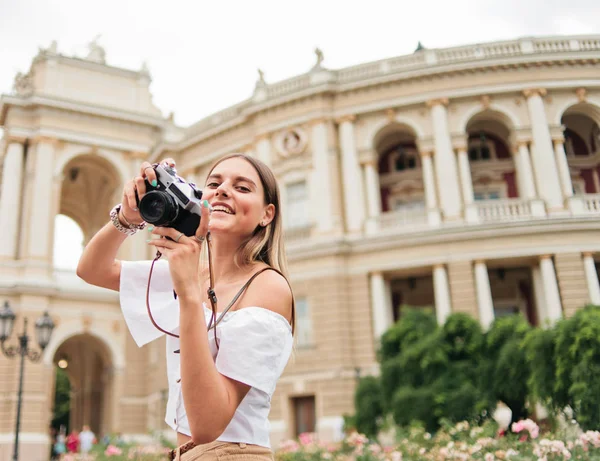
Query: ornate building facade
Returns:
{"type": "Point", "coordinates": [464, 179]}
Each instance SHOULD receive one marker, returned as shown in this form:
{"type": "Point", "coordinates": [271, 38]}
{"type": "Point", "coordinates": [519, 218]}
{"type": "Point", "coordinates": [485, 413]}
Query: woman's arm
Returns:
{"type": "Point", "coordinates": [97, 264]}
{"type": "Point", "coordinates": [210, 398]}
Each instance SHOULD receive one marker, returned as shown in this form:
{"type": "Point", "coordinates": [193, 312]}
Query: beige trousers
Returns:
{"type": "Point", "coordinates": [225, 451]}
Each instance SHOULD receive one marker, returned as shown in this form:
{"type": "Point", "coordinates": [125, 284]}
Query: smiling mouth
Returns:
{"type": "Point", "coordinates": [222, 209]}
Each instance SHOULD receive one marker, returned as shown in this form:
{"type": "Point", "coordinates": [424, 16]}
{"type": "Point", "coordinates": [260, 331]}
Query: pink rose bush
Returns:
{"type": "Point", "coordinates": [111, 450]}
{"type": "Point", "coordinates": [526, 425]}
{"type": "Point", "coordinates": [523, 441]}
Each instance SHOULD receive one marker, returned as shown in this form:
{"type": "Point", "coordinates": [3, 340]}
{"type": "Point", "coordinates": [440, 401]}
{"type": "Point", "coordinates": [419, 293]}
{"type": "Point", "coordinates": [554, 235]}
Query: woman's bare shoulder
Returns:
{"type": "Point", "coordinates": [270, 290]}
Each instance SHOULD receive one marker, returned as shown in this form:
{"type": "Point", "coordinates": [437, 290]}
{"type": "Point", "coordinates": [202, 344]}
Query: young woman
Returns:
{"type": "Point", "coordinates": [221, 378]}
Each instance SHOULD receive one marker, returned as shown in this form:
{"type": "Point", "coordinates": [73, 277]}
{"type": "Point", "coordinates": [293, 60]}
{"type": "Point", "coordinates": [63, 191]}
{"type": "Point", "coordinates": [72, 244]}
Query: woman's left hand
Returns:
{"type": "Point", "coordinates": [183, 254]}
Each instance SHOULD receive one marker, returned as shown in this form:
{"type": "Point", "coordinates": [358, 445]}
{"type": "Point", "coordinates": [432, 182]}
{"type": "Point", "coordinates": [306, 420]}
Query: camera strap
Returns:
{"type": "Point", "coordinates": [214, 321]}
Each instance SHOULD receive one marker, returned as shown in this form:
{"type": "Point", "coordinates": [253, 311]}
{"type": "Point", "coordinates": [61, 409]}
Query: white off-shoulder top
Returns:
{"type": "Point", "coordinates": [254, 347]}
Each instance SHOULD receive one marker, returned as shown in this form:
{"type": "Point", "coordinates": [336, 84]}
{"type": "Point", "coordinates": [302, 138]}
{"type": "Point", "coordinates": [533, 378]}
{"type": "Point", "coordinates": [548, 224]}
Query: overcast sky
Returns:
{"type": "Point", "coordinates": [203, 55]}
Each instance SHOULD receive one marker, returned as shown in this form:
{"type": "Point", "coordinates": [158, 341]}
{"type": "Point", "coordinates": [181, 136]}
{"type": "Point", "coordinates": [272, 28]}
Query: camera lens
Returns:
{"type": "Point", "coordinates": [158, 208]}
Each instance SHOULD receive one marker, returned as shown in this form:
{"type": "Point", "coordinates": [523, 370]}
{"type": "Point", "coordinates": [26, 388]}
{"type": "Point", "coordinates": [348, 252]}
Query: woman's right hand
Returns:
{"type": "Point", "coordinates": [129, 208]}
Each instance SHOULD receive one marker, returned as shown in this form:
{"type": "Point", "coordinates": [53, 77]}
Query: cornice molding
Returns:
{"type": "Point", "coordinates": [74, 106]}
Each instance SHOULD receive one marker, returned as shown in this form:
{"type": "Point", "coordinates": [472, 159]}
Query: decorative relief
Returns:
{"type": "Point", "coordinates": [345, 118]}
{"type": "Point", "coordinates": [87, 322]}
{"type": "Point", "coordinates": [535, 91]}
{"type": "Point", "coordinates": [437, 102]}
{"type": "Point", "coordinates": [291, 142]}
{"type": "Point", "coordinates": [485, 101]}
{"type": "Point", "coordinates": [581, 94]}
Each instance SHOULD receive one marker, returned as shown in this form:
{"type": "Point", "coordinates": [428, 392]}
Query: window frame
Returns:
{"type": "Point", "coordinates": [308, 321]}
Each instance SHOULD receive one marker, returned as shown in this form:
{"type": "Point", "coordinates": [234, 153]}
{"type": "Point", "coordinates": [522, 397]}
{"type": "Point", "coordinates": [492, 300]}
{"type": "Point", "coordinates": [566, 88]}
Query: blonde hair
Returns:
{"type": "Point", "coordinates": [266, 243]}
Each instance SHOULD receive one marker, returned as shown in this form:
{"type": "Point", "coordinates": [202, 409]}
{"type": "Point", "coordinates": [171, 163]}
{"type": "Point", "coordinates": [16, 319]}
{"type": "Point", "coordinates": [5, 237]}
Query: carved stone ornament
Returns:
{"type": "Point", "coordinates": [23, 84]}
{"type": "Point", "coordinates": [319, 59]}
{"type": "Point", "coordinates": [96, 53]}
{"type": "Point", "coordinates": [581, 94]}
{"type": "Point", "coordinates": [290, 142]}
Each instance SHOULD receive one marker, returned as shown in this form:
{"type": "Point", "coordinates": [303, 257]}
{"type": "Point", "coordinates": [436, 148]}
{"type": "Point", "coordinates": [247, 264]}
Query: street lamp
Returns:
{"type": "Point", "coordinates": [43, 330]}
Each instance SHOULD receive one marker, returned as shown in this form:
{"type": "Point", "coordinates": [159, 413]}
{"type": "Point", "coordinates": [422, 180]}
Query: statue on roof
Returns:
{"type": "Point", "coordinates": [320, 57]}
{"type": "Point", "coordinates": [23, 84]}
{"type": "Point", "coordinates": [261, 82]}
{"type": "Point", "coordinates": [145, 69]}
{"type": "Point", "coordinates": [97, 52]}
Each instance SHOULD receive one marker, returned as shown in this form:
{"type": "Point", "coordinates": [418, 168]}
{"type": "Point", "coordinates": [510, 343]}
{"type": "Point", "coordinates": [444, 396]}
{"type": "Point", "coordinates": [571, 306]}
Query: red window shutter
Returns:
{"type": "Point", "coordinates": [385, 194]}
{"type": "Point", "coordinates": [511, 184]}
{"type": "Point", "coordinates": [587, 175]}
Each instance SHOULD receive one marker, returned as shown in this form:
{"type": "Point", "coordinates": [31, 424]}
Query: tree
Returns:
{"type": "Point", "coordinates": [506, 372]}
{"type": "Point", "coordinates": [62, 400]}
{"type": "Point", "coordinates": [577, 366]}
{"type": "Point", "coordinates": [368, 405]}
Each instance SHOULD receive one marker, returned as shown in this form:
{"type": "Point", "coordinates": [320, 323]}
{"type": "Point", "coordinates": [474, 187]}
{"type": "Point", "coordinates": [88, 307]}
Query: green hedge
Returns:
{"type": "Point", "coordinates": [457, 372]}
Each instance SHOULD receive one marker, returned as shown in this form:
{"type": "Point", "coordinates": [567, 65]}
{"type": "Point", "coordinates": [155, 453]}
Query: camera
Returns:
{"type": "Point", "coordinates": [172, 203]}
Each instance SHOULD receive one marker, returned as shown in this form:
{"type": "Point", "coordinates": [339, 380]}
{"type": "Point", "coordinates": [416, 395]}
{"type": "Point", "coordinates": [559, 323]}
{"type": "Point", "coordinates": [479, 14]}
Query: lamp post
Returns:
{"type": "Point", "coordinates": [43, 330]}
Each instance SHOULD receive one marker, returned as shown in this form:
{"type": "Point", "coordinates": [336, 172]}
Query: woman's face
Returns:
{"type": "Point", "coordinates": [236, 193]}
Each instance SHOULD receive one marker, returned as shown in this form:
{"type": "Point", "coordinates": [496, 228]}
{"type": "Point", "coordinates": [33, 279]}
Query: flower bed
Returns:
{"type": "Point", "coordinates": [460, 442]}
{"type": "Point", "coordinates": [121, 453]}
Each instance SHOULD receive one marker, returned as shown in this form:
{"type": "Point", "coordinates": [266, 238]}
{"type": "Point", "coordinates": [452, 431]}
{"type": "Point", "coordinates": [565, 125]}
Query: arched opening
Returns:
{"type": "Point", "coordinates": [399, 168]}
{"type": "Point", "coordinates": [490, 160]}
{"type": "Point", "coordinates": [90, 187]}
{"type": "Point", "coordinates": [68, 242]}
{"type": "Point", "coordinates": [83, 381]}
{"type": "Point", "coordinates": [582, 146]}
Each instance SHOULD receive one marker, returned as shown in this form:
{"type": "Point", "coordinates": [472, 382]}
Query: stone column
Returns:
{"type": "Point", "coordinates": [465, 176]}
{"type": "Point", "coordinates": [433, 212]}
{"type": "Point", "coordinates": [466, 183]}
{"type": "Point", "coordinates": [551, 292]}
{"type": "Point", "coordinates": [41, 219]}
{"type": "Point", "coordinates": [592, 278]}
{"type": "Point", "coordinates": [540, 298]}
{"type": "Point", "coordinates": [320, 187]}
{"type": "Point", "coordinates": [445, 161]}
{"type": "Point", "coordinates": [373, 193]}
{"type": "Point", "coordinates": [354, 203]}
{"type": "Point", "coordinates": [563, 167]}
{"type": "Point", "coordinates": [263, 148]}
{"type": "Point", "coordinates": [10, 198]}
{"type": "Point", "coordinates": [484, 295]}
{"type": "Point", "coordinates": [523, 164]}
{"type": "Point", "coordinates": [382, 315]}
{"type": "Point", "coordinates": [545, 170]}
{"type": "Point", "coordinates": [441, 289]}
